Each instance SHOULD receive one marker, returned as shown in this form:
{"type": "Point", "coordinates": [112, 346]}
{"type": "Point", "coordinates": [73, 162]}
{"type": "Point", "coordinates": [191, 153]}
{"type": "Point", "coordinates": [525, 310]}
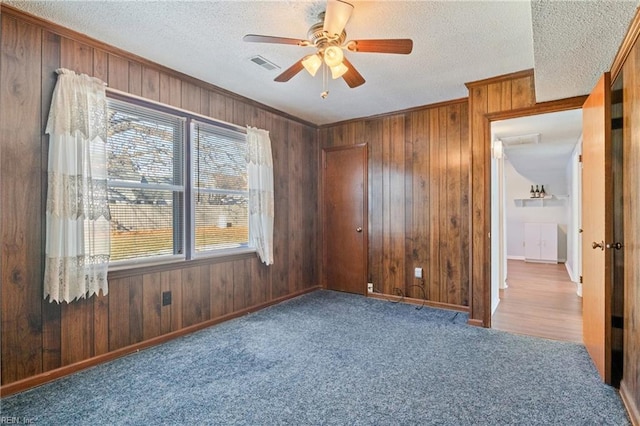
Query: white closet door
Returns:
{"type": "Point", "coordinates": [532, 241]}
{"type": "Point", "coordinates": [549, 242]}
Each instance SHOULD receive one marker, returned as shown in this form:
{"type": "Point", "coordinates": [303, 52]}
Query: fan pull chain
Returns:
{"type": "Point", "coordinates": [325, 81]}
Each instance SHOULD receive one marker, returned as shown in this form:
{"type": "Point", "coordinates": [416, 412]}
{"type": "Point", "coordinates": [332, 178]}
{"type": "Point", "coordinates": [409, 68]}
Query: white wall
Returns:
{"type": "Point", "coordinates": [556, 211]}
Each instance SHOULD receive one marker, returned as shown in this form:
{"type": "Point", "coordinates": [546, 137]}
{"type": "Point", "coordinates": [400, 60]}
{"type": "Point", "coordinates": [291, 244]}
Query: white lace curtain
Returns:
{"type": "Point", "coordinates": [260, 173]}
{"type": "Point", "coordinates": [77, 246]}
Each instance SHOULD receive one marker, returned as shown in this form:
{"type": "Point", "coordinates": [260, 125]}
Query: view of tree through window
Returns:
{"type": "Point", "coordinates": [147, 189]}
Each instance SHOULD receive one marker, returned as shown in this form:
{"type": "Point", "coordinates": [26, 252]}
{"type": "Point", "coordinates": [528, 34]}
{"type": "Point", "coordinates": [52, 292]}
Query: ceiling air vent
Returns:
{"type": "Point", "coordinates": [508, 141]}
{"type": "Point", "coordinates": [264, 63]}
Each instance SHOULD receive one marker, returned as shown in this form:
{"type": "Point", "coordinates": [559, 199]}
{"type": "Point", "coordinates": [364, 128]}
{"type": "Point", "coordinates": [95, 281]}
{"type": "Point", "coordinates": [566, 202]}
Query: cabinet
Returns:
{"type": "Point", "coordinates": [541, 242]}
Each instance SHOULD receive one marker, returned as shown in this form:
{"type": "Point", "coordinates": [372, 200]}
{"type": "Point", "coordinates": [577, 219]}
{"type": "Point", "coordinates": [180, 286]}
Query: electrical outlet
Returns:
{"type": "Point", "coordinates": [418, 273]}
{"type": "Point", "coordinates": [166, 298]}
{"type": "Point", "coordinates": [370, 287]}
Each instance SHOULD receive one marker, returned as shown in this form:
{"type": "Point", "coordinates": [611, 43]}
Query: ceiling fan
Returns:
{"type": "Point", "coordinates": [328, 37]}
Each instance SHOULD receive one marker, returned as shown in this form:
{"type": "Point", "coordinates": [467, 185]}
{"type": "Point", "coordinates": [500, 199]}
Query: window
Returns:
{"type": "Point", "coordinates": [157, 213]}
{"type": "Point", "coordinates": [221, 195]}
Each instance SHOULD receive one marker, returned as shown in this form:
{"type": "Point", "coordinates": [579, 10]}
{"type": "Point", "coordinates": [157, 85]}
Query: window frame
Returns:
{"type": "Point", "coordinates": [188, 189]}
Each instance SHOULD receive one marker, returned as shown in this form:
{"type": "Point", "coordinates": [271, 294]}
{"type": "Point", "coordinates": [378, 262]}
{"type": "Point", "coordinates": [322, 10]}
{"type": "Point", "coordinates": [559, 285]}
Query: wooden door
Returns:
{"type": "Point", "coordinates": [597, 223]}
{"type": "Point", "coordinates": [344, 182]}
{"type": "Point", "coordinates": [630, 385]}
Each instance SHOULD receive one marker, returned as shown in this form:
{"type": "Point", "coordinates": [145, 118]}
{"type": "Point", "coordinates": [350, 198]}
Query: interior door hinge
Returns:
{"type": "Point", "coordinates": [580, 158]}
{"type": "Point", "coordinates": [580, 279]}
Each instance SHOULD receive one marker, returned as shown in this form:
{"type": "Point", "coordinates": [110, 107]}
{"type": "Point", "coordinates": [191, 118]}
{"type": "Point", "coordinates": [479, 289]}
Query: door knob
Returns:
{"type": "Point", "coordinates": [616, 246]}
{"type": "Point", "coordinates": [359, 229]}
{"type": "Point", "coordinates": [595, 245]}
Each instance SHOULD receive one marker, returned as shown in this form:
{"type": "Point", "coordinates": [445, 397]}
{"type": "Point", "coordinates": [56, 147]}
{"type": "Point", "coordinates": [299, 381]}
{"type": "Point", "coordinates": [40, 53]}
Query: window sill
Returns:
{"type": "Point", "coordinates": [124, 271]}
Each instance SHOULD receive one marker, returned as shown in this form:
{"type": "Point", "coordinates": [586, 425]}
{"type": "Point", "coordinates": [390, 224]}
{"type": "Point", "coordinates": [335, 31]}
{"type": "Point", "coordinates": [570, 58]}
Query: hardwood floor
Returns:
{"type": "Point", "coordinates": [540, 301]}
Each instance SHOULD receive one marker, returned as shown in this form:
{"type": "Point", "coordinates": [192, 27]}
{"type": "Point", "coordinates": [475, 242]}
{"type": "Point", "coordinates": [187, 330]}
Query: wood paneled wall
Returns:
{"type": "Point", "coordinates": [429, 189]}
{"type": "Point", "coordinates": [37, 336]}
{"type": "Point", "coordinates": [505, 93]}
{"type": "Point", "coordinates": [630, 385]}
{"type": "Point", "coordinates": [419, 166]}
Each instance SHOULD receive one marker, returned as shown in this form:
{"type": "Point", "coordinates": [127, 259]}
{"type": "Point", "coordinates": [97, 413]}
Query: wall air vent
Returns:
{"type": "Point", "coordinates": [509, 141]}
{"type": "Point", "coordinates": [264, 63]}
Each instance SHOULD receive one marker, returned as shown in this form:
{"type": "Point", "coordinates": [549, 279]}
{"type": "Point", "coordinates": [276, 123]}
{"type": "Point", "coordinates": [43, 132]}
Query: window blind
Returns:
{"type": "Point", "coordinates": [220, 192]}
{"type": "Point", "coordinates": [145, 149]}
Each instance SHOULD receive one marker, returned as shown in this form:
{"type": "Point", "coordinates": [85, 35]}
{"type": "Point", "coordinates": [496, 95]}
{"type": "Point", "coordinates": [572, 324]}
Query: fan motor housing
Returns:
{"type": "Point", "coordinates": [320, 39]}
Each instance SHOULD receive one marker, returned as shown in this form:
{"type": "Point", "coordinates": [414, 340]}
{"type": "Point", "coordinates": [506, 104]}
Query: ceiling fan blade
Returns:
{"type": "Point", "coordinates": [402, 46]}
{"type": "Point", "coordinates": [290, 72]}
{"type": "Point", "coordinates": [352, 77]}
{"type": "Point", "coordinates": [255, 38]}
{"type": "Point", "coordinates": [336, 17]}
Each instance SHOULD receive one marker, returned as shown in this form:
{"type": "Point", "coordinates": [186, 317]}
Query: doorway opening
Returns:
{"type": "Point", "coordinates": [535, 223]}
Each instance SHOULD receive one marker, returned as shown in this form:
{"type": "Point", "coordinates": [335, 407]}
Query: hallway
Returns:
{"type": "Point", "coordinates": [540, 301]}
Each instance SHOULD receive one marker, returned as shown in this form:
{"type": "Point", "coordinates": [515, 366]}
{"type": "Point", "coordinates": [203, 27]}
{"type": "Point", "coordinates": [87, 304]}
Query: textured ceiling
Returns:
{"type": "Point", "coordinates": [569, 44]}
{"type": "Point", "coordinates": [575, 42]}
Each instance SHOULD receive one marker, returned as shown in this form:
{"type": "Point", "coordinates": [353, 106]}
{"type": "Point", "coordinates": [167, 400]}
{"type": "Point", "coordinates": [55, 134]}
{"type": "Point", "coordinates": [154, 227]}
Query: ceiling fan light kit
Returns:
{"type": "Point", "coordinates": [339, 70]}
{"type": "Point", "coordinates": [333, 56]}
{"type": "Point", "coordinates": [328, 37]}
{"type": "Point", "coordinates": [312, 63]}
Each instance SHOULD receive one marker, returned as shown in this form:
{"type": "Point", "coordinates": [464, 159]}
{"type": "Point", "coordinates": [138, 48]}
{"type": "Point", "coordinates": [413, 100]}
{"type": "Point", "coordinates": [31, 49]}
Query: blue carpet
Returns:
{"type": "Point", "coordinates": [330, 358]}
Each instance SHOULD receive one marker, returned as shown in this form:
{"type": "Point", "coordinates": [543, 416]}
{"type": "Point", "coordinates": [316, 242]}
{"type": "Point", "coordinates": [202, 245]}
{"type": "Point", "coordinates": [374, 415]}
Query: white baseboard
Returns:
{"type": "Point", "coordinates": [548, 262]}
{"type": "Point", "coordinates": [572, 275]}
{"type": "Point", "coordinates": [536, 260]}
{"type": "Point", "coordinates": [515, 257]}
{"type": "Point", "coordinates": [575, 279]}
